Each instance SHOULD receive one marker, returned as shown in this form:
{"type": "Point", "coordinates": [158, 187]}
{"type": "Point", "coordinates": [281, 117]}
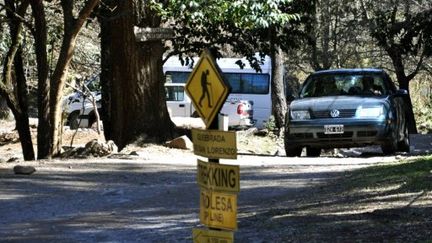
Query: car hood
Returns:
{"type": "Point", "coordinates": [335, 102]}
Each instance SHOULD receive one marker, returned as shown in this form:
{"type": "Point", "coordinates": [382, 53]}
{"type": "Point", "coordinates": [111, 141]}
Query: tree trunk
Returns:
{"type": "Point", "coordinates": [22, 119]}
{"type": "Point", "coordinates": [14, 88]}
{"type": "Point", "coordinates": [132, 80]}
{"type": "Point", "coordinates": [404, 84]}
{"type": "Point", "coordinates": [22, 125]}
{"type": "Point", "coordinates": [4, 109]}
{"type": "Point", "coordinates": [106, 75]}
{"type": "Point", "coordinates": [403, 81]}
{"type": "Point", "coordinates": [72, 26]}
{"type": "Point", "coordinates": [279, 104]}
{"type": "Point", "coordinates": [57, 84]}
{"type": "Point", "coordinates": [43, 138]}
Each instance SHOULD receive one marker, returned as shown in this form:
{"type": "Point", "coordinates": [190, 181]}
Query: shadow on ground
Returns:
{"type": "Point", "coordinates": [375, 204]}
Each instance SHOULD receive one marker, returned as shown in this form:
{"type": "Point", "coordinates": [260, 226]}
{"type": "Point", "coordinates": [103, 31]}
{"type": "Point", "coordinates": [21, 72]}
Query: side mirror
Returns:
{"type": "Point", "coordinates": [401, 92]}
{"type": "Point", "coordinates": [290, 98]}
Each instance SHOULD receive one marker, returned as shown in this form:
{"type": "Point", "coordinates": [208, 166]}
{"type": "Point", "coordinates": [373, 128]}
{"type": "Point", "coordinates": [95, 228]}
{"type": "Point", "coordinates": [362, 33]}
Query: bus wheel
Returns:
{"type": "Point", "coordinates": [73, 120]}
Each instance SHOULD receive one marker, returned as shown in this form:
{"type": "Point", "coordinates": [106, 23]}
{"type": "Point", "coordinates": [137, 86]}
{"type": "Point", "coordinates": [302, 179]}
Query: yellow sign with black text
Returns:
{"type": "Point", "coordinates": [207, 88]}
{"type": "Point", "coordinates": [212, 236]}
{"type": "Point", "coordinates": [218, 210]}
{"type": "Point", "coordinates": [214, 144]}
{"type": "Point", "coordinates": [218, 177]}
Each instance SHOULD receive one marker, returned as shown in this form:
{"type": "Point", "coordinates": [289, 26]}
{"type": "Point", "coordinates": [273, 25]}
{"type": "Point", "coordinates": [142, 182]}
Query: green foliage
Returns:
{"type": "Point", "coordinates": [243, 24]}
{"type": "Point", "coordinates": [270, 124]}
{"type": "Point", "coordinates": [86, 55]}
{"type": "Point", "coordinates": [251, 15]}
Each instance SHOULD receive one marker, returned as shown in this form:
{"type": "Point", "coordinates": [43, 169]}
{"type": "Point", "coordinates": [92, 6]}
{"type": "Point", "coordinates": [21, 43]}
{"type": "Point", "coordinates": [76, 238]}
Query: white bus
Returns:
{"type": "Point", "coordinates": [246, 83]}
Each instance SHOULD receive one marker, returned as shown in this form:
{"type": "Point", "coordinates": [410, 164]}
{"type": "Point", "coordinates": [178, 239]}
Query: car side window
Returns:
{"type": "Point", "coordinates": [371, 85]}
{"type": "Point", "coordinates": [379, 86]}
{"type": "Point", "coordinates": [389, 85]}
{"type": "Point", "coordinates": [308, 89]}
{"type": "Point", "coordinates": [174, 93]}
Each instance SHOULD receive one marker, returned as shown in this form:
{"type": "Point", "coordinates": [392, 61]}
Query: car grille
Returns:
{"type": "Point", "coordinates": [345, 113]}
{"type": "Point", "coordinates": [366, 133]}
{"type": "Point", "coordinates": [343, 135]}
{"type": "Point", "coordinates": [300, 135]}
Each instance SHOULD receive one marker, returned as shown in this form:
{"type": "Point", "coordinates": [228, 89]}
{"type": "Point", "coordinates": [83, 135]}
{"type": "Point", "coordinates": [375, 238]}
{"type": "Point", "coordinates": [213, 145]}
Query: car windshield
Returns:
{"type": "Point", "coordinates": [343, 84]}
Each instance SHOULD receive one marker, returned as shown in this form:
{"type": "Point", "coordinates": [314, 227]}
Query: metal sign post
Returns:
{"type": "Point", "coordinates": [219, 183]}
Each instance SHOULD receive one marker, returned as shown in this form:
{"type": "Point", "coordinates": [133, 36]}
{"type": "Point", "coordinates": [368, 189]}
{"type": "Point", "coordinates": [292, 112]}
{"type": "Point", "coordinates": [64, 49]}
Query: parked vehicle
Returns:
{"type": "Point", "coordinates": [78, 106]}
{"type": "Point", "coordinates": [80, 109]}
{"type": "Point", "coordinates": [247, 84]}
{"type": "Point", "coordinates": [240, 113]}
{"type": "Point", "coordinates": [347, 108]}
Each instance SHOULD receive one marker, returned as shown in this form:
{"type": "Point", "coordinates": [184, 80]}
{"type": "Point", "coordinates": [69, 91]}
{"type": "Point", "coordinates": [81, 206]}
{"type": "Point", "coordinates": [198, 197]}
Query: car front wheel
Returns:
{"type": "Point", "coordinates": [313, 152]}
{"type": "Point", "coordinates": [388, 149]}
{"type": "Point", "coordinates": [293, 151]}
{"type": "Point", "coordinates": [391, 146]}
{"type": "Point", "coordinates": [404, 144]}
{"type": "Point", "coordinates": [73, 120]}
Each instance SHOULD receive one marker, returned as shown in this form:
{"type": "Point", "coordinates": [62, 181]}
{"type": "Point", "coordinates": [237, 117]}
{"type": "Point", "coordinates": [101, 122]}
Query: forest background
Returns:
{"type": "Point", "coordinates": [47, 46]}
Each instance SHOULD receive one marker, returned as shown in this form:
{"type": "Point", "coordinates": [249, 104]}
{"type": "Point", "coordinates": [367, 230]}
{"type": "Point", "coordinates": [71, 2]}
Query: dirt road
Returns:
{"type": "Point", "coordinates": [155, 198]}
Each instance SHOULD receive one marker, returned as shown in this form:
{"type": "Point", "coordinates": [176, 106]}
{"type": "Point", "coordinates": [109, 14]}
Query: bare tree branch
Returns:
{"type": "Point", "coordinates": [18, 14]}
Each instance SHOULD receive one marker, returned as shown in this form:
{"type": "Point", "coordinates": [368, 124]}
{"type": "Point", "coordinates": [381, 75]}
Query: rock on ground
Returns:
{"type": "Point", "coordinates": [24, 170]}
{"type": "Point", "coordinates": [182, 142]}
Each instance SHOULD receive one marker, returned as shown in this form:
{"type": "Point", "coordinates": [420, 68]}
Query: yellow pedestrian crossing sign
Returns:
{"type": "Point", "coordinates": [207, 88]}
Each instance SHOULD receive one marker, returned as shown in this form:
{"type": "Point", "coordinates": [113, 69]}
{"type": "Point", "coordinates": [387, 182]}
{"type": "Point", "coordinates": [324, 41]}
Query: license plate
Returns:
{"type": "Point", "coordinates": [333, 129]}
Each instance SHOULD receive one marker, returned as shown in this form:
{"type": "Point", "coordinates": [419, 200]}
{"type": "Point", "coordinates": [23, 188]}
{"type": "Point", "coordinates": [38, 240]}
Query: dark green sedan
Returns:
{"type": "Point", "coordinates": [345, 108]}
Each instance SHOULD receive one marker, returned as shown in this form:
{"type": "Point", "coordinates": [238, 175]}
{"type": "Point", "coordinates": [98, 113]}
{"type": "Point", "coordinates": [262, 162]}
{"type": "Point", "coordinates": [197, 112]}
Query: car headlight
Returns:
{"type": "Point", "coordinates": [370, 112]}
{"type": "Point", "coordinates": [300, 115]}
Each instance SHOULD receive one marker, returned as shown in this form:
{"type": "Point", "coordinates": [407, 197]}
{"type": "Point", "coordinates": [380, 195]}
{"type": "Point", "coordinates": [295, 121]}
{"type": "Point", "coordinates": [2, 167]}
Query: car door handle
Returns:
{"type": "Point", "coordinates": [181, 105]}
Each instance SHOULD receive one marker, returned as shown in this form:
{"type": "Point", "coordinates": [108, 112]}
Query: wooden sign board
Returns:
{"type": "Point", "coordinates": [149, 34]}
{"type": "Point", "coordinates": [218, 177]}
{"type": "Point", "coordinates": [212, 236]}
{"type": "Point", "coordinates": [214, 144]}
{"type": "Point", "coordinates": [218, 210]}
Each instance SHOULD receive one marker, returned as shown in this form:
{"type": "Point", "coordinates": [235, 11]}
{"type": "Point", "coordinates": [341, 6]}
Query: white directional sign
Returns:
{"type": "Point", "coordinates": [149, 34]}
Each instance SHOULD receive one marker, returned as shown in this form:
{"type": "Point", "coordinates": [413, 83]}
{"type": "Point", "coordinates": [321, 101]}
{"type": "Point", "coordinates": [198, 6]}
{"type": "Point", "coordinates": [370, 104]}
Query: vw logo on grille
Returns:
{"type": "Point", "coordinates": [334, 113]}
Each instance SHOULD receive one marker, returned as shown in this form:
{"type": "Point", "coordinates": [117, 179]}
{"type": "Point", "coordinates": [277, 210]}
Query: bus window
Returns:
{"type": "Point", "coordinates": [248, 83]}
{"type": "Point", "coordinates": [174, 93]}
{"type": "Point", "coordinates": [177, 77]}
{"type": "Point", "coordinates": [241, 83]}
{"type": "Point", "coordinates": [234, 81]}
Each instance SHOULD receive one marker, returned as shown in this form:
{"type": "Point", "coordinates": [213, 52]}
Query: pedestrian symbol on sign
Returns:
{"type": "Point", "coordinates": [205, 91]}
{"type": "Point", "coordinates": [207, 88]}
